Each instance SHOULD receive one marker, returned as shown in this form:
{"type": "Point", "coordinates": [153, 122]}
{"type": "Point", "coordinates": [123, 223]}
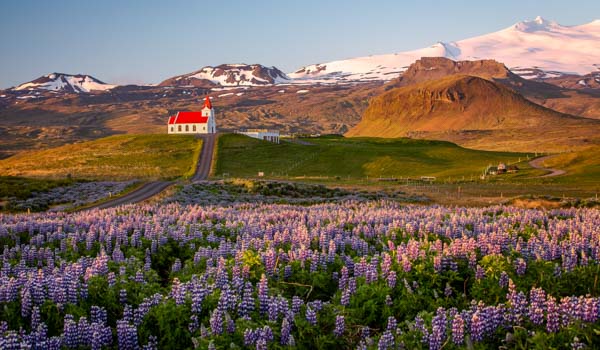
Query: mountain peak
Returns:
{"type": "Point", "coordinates": [62, 82]}
{"type": "Point", "coordinates": [238, 74]}
{"type": "Point", "coordinates": [537, 24]}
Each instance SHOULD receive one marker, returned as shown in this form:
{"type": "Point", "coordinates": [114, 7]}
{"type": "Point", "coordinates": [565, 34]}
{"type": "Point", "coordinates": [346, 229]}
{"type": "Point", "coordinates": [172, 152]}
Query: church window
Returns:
{"type": "Point", "coordinates": [179, 128]}
{"type": "Point", "coordinates": [171, 129]}
{"type": "Point", "coordinates": [187, 128]}
{"type": "Point", "coordinates": [193, 127]}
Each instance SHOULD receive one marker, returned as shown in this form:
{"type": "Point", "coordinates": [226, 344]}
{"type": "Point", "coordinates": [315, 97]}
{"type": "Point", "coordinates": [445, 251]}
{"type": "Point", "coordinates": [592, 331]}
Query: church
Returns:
{"type": "Point", "coordinates": [202, 122]}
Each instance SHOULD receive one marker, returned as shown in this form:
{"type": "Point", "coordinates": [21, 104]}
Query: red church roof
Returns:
{"type": "Point", "coordinates": [188, 118]}
{"type": "Point", "coordinates": [207, 103]}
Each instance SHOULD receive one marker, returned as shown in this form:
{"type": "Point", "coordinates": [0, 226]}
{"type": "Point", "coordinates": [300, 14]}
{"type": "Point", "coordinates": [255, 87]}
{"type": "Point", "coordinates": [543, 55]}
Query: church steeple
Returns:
{"type": "Point", "coordinates": [207, 103]}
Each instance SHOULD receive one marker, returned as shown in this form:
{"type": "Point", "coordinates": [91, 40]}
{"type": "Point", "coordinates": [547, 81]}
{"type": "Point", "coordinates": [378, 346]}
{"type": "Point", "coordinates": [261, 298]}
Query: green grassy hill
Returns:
{"type": "Point", "coordinates": [582, 167]}
{"type": "Point", "coordinates": [112, 158]}
{"type": "Point", "coordinates": [333, 156]}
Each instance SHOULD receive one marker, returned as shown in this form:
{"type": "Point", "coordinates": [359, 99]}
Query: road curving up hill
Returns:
{"type": "Point", "coordinates": [538, 163]}
{"type": "Point", "coordinates": [151, 189]}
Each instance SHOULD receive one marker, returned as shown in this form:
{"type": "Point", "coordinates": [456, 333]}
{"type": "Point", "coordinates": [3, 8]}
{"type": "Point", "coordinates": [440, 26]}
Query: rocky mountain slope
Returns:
{"type": "Point", "coordinates": [230, 75]}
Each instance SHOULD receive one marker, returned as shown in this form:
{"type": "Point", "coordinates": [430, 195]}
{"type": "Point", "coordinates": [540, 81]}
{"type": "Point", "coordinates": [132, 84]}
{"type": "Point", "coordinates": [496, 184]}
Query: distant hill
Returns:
{"type": "Point", "coordinates": [461, 107]}
{"type": "Point", "coordinates": [230, 75]}
{"type": "Point", "coordinates": [61, 82]}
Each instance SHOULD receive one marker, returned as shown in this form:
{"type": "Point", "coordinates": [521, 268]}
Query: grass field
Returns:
{"type": "Point", "coordinates": [120, 157]}
{"type": "Point", "coordinates": [341, 158]}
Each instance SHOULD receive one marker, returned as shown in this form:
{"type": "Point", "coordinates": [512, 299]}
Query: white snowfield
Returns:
{"type": "Point", "coordinates": [62, 82]}
{"type": "Point", "coordinates": [523, 47]}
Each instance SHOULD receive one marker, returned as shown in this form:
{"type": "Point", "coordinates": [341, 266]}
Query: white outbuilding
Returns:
{"type": "Point", "coordinates": [261, 134]}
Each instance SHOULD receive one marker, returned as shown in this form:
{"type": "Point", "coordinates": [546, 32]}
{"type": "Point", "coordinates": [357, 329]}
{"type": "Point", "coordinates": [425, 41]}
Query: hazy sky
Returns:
{"type": "Point", "coordinates": [147, 41]}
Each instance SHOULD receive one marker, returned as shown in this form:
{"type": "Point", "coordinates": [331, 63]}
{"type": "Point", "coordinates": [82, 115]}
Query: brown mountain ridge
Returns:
{"type": "Point", "coordinates": [551, 93]}
{"type": "Point", "coordinates": [471, 111]}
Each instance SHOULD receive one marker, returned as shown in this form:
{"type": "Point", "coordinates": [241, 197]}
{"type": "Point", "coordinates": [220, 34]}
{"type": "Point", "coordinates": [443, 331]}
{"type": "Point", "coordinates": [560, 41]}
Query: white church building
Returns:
{"type": "Point", "coordinates": [202, 122]}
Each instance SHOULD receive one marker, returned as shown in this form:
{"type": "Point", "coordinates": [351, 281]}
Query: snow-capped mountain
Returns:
{"type": "Point", "coordinates": [230, 75]}
{"type": "Point", "coordinates": [532, 49]}
{"type": "Point", "coordinates": [61, 82]}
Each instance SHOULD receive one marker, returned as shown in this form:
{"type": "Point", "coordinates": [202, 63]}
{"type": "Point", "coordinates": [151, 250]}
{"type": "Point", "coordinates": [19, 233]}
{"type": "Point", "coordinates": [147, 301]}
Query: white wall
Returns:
{"type": "Point", "coordinates": [263, 135]}
{"type": "Point", "coordinates": [200, 129]}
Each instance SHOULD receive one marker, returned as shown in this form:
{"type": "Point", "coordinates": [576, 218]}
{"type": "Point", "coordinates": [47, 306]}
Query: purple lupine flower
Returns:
{"type": "Point", "coordinates": [111, 279]}
{"type": "Point", "coordinates": [216, 322]}
{"type": "Point", "coordinates": [392, 324]}
{"type": "Point", "coordinates": [152, 343]}
{"type": "Point", "coordinates": [345, 299]}
{"type": "Point", "coordinates": [194, 324]}
{"type": "Point", "coordinates": [296, 304]}
{"type": "Point", "coordinates": [391, 279]}
{"type": "Point", "coordinates": [127, 335]}
{"type": "Point", "coordinates": [273, 310]}
{"type": "Point", "coordinates": [123, 296]}
{"type": "Point", "coordinates": [520, 266]}
{"type": "Point", "coordinates": [448, 290]}
{"type": "Point", "coordinates": [340, 326]}
{"type": "Point", "coordinates": [263, 294]}
{"type": "Point", "coordinates": [247, 303]}
{"type": "Point", "coordinates": [552, 315]}
{"type": "Point", "coordinates": [176, 265]}
{"type": "Point", "coordinates": [479, 273]}
{"type": "Point", "coordinates": [26, 302]}
{"type": "Point", "coordinates": [286, 328]}
{"type": "Point", "coordinates": [503, 281]}
{"type": "Point", "coordinates": [537, 298]}
{"type": "Point", "coordinates": [477, 327]}
{"type": "Point", "coordinates": [250, 337]}
{"type": "Point", "coordinates": [230, 324]}
{"type": "Point", "coordinates": [458, 330]}
{"type": "Point", "coordinates": [386, 341]}
{"type": "Point", "coordinates": [343, 280]}
{"type": "Point", "coordinates": [36, 319]}
{"type": "Point", "coordinates": [70, 336]}
{"type": "Point", "coordinates": [438, 330]}
{"type": "Point", "coordinates": [352, 285]}
{"type": "Point", "coordinates": [311, 316]}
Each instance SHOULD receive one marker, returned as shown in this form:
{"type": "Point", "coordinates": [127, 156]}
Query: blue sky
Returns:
{"type": "Point", "coordinates": [148, 41]}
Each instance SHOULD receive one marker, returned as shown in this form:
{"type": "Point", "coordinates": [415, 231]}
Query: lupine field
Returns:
{"type": "Point", "coordinates": [349, 275]}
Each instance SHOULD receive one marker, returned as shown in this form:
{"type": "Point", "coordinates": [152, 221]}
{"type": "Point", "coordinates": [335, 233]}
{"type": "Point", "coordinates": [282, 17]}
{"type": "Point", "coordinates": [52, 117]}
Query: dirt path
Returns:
{"type": "Point", "coordinates": [153, 188]}
{"type": "Point", "coordinates": [538, 163]}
